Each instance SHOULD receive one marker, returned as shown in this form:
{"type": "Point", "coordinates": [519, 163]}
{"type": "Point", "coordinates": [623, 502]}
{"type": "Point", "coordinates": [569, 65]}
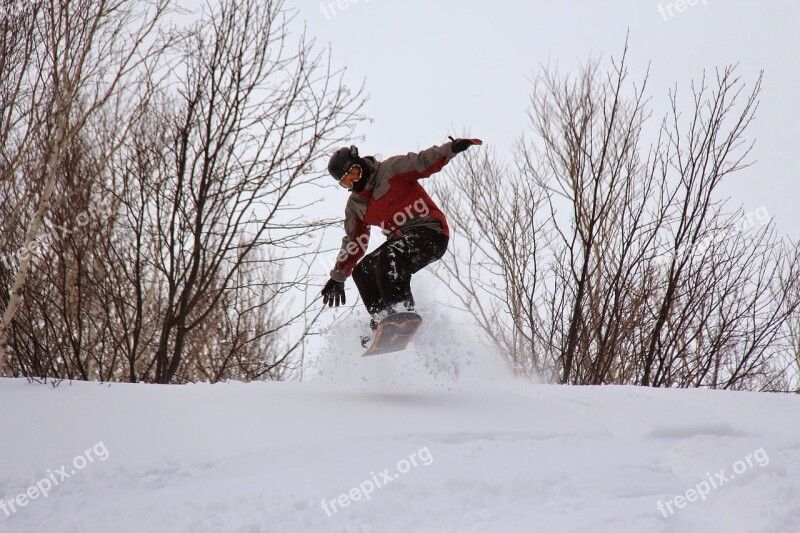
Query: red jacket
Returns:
{"type": "Point", "coordinates": [392, 200]}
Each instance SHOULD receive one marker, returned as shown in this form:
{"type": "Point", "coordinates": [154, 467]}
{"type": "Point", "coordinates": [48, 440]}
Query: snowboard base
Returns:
{"type": "Point", "coordinates": [394, 333]}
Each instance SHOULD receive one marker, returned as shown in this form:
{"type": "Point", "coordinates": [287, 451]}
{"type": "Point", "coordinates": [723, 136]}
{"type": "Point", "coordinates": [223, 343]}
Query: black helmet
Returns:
{"type": "Point", "coordinates": [341, 161]}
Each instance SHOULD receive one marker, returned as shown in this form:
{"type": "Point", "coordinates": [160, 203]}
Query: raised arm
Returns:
{"type": "Point", "coordinates": [416, 165]}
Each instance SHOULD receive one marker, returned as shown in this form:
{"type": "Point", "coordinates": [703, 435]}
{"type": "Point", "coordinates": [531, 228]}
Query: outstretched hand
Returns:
{"type": "Point", "coordinates": [459, 145]}
{"type": "Point", "coordinates": [333, 293]}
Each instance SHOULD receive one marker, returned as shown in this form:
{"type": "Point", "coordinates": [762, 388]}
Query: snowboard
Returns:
{"type": "Point", "coordinates": [394, 333]}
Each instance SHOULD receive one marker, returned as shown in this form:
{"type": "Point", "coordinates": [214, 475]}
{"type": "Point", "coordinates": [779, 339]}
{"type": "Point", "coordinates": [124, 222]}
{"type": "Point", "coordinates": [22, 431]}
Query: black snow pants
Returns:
{"type": "Point", "coordinates": [383, 277]}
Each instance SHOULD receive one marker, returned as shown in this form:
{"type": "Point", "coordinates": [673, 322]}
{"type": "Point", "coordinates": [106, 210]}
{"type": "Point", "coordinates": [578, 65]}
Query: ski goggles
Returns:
{"type": "Point", "coordinates": [347, 171]}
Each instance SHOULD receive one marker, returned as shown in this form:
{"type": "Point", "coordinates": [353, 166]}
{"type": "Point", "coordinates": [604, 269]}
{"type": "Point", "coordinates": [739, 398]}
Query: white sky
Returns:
{"type": "Point", "coordinates": [436, 68]}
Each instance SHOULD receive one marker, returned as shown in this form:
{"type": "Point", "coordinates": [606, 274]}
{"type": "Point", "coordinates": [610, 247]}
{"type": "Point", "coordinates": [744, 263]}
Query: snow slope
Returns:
{"type": "Point", "coordinates": [465, 447]}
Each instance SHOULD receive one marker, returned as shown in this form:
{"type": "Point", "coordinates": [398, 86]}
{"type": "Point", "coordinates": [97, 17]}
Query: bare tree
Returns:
{"type": "Point", "coordinates": [636, 271]}
{"type": "Point", "coordinates": [253, 117]}
{"type": "Point", "coordinates": [65, 61]}
{"type": "Point", "coordinates": [494, 268]}
{"type": "Point", "coordinates": [182, 278]}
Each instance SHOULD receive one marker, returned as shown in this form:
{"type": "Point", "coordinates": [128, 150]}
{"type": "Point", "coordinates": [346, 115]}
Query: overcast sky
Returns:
{"type": "Point", "coordinates": [435, 68]}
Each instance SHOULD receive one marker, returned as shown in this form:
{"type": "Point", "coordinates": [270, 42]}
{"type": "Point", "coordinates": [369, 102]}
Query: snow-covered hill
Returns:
{"type": "Point", "coordinates": [404, 442]}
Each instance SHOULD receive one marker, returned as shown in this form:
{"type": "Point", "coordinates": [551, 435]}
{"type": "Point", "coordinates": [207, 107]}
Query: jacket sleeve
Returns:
{"type": "Point", "coordinates": [354, 245]}
{"type": "Point", "coordinates": [416, 165]}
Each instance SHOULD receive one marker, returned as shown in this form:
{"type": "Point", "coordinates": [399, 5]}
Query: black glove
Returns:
{"type": "Point", "coordinates": [333, 293]}
{"type": "Point", "coordinates": [459, 145]}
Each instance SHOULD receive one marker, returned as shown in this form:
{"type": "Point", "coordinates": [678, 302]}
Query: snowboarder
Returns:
{"type": "Point", "coordinates": [387, 194]}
